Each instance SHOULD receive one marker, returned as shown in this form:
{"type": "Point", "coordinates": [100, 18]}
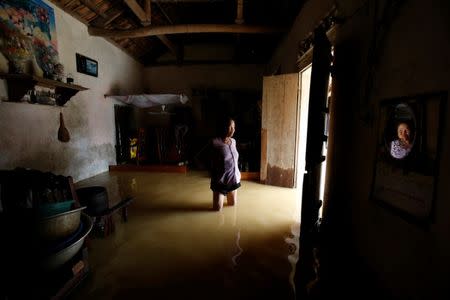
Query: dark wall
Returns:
{"type": "Point", "coordinates": [244, 106]}
{"type": "Point", "coordinates": [410, 57]}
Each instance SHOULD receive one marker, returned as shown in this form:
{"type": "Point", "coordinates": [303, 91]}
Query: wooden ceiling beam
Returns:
{"type": "Point", "coordinates": [181, 29]}
{"type": "Point", "coordinates": [148, 11]}
{"type": "Point", "coordinates": [71, 12]}
{"type": "Point", "coordinates": [171, 46]}
{"type": "Point", "coordinates": [145, 16]}
{"type": "Point", "coordinates": [112, 17]}
{"type": "Point", "coordinates": [139, 12]}
{"type": "Point", "coordinates": [164, 12]}
{"type": "Point", "coordinates": [69, 3]}
{"type": "Point", "coordinates": [189, 1]}
{"type": "Point", "coordinates": [94, 8]}
{"type": "Point", "coordinates": [178, 50]}
{"type": "Point", "coordinates": [79, 18]}
{"type": "Point", "coordinates": [98, 6]}
{"type": "Point", "coordinates": [239, 12]}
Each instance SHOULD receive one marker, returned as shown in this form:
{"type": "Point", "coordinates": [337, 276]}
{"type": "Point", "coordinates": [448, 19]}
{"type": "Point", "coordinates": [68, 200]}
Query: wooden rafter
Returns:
{"type": "Point", "coordinates": [145, 17]}
{"type": "Point", "coordinates": [94, 8]}
{"type": "Point", "coordinates": [171, 46]}
{"type": "Point", "coordinates": [148, 11]}
{"type": "Point", "coordinates": [139, 12]}
{"type": "Point", "coordinates": [177, 50]}
{"type": "Point", "coordinates": [69, 3]}
{"type": "Point", "coordinates": [79, 18]}
{"type": "Point", "coordinates": [99, 7]}
{"type": "Point", "coordinates": [105, 18]}
{"type": "Point", "coordinates": [113, 15]}
{"type": "Point", "coordinates": [240, 12]}
{"type": "Point", "coordinates": [168, 44]}
{"type": "Point", "coordinates": [164, 13]}
{"type": "Point", "coordinates": [186, 28]}
{"type": "Point", "coordinates": [126, 23]}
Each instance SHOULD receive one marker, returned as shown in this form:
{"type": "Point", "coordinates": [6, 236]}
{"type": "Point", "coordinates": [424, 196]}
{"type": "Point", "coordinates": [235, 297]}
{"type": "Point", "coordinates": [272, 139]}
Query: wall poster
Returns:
{"type": "Point", "coordinates": [27, 29]}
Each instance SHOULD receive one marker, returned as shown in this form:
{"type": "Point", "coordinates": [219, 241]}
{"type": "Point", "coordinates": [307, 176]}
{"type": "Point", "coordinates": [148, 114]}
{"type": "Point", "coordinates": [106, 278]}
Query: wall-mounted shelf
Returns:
{"type": "Point", "coordinates": [20, 84]}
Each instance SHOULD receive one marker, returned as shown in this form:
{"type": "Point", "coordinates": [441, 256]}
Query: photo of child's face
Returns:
{"type": "Point", "coordinates": [403, 132]}
{"type": "Point", "coordinates": [399, 131]}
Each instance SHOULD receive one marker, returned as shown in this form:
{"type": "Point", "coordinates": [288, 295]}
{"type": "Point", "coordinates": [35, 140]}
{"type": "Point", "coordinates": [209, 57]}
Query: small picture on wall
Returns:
{"type": "Point", "coordinates": [86, 65]}
{"type": "Point", "coordinates": [407, 159]}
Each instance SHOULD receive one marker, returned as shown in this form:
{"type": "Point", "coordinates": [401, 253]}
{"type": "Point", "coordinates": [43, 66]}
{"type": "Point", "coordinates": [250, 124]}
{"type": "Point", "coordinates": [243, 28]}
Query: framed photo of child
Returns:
{"type": "Point", "coordinates": [408, 154]}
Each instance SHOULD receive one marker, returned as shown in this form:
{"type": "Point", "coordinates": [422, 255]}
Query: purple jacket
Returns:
{"type": "Point", "coordinates": [224, 162]}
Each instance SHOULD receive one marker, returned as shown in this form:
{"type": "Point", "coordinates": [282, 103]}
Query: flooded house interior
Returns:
{"type": "Point", "coordinates": [107, 113]}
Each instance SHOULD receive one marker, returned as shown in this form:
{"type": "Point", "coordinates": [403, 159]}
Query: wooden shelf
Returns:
{"type": "Point", "coordinates": [20, 84]}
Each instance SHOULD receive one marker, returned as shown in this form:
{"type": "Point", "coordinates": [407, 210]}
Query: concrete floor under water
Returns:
{"type": "Point", "coordinates": [175, 247]}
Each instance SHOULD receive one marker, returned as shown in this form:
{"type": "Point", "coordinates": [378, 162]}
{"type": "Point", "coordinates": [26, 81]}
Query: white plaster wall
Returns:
{"type": "Point", "coordinates": [28, 135]}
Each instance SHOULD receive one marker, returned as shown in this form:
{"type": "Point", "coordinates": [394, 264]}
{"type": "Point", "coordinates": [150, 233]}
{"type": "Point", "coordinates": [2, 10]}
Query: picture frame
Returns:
{"type": "Point", "coordinates": [406, 167]}
{"type": "Point", "coordinates": [86, 65]}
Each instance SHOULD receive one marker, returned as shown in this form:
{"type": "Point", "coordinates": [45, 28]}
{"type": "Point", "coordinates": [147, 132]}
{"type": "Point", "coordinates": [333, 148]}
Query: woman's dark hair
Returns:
{"type": "Point", "coordinates": [222, 125]}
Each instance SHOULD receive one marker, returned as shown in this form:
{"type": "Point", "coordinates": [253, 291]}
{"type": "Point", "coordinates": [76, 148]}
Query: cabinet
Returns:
{"type": "Point", "coordinates": [20, 84]}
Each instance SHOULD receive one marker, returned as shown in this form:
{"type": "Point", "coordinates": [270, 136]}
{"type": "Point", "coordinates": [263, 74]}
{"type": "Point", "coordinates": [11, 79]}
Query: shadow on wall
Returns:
{"type": "Point", "coordinates": [73, 162]}
{"type": "Point", "coordinates": [114, 89]}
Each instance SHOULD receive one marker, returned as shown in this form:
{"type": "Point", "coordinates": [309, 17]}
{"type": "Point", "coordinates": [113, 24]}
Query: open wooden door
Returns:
{"type": "Point", "coordinates": [278, 130]}
{"type": "Point", "coordinates": [311, 202]}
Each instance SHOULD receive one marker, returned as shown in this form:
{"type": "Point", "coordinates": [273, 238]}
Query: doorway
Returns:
{"type": "Point", "coordinates": [304, 82]}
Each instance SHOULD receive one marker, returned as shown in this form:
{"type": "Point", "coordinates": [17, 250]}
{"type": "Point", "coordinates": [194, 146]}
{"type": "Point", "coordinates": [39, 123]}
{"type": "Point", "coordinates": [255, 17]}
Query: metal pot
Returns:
{"type": "Point", "coordinates": [60, 225]}
{"type": "Point", "coordinates": [95, 198]}
{"type": "Point", "coordinates": [56, 260]}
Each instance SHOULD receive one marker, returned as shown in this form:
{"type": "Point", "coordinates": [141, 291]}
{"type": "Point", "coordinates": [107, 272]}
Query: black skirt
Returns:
{"type": "Point", "coordinates": [224, 189]}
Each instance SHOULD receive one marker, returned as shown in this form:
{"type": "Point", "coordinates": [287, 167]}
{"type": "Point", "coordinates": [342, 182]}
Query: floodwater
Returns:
{"type": "Point", "coordinates": [175, 247]}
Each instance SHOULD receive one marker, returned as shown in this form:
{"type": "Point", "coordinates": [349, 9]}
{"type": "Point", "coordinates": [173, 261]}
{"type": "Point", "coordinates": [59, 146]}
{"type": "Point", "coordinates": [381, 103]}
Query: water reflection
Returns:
{"type": "Point", "coordinates": [227, 219]}
{"type": "Point", "coordinates": [293, 240]}
{"type": "Point", "coordinates": [240, 250]}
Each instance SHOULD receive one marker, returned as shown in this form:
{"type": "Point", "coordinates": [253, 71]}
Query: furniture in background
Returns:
{"type": "Point", "coordinates": [96, 199]}
{"type": "Point", "coordinates": [39, 259]}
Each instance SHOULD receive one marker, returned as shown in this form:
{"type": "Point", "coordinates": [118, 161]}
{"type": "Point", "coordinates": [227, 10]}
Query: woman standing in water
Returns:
{"type": "Point", "coordinates": [224, 170]}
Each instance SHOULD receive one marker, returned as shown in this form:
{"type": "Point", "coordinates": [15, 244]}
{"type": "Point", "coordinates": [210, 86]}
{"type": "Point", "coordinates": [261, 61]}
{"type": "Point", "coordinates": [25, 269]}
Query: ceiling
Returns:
{"type": "Point", "coordinates": [177, 32]}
